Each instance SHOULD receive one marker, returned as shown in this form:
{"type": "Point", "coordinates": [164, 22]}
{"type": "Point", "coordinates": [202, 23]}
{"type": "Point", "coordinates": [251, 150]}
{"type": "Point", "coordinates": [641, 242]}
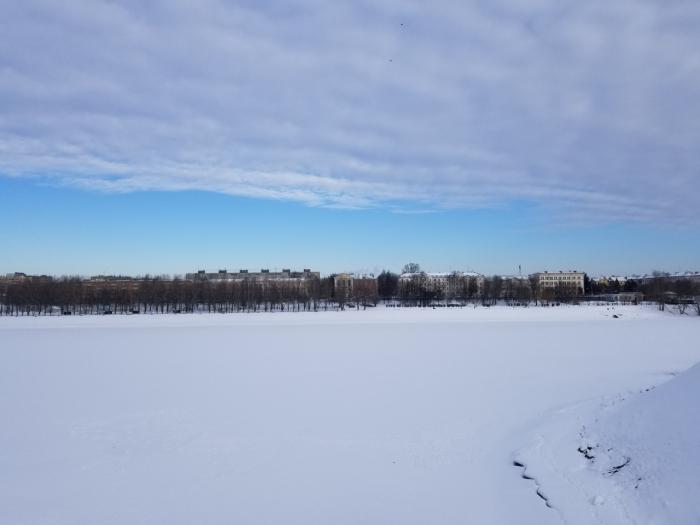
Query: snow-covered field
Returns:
{"type": "Point", "coordinates": [374, 417]}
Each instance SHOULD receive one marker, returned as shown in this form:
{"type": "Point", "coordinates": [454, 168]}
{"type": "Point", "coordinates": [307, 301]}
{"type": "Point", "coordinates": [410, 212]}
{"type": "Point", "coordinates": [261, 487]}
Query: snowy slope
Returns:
{"type": "Point", "coordinates": [385, 416]}
{"type": "Point", "coordinates": [656, 435]}
{"type": "Point", "coordinates": [630, 458]}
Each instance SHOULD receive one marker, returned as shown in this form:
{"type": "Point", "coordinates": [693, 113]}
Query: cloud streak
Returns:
{"type": "Point", "coordinates": [589, 109]}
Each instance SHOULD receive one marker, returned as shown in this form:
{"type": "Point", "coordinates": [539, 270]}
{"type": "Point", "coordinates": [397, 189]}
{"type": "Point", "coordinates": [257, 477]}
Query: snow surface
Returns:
{"type": "Point", "coordinates": [630, 458]}
{"type": "Point", "coordinates": [380, 416]}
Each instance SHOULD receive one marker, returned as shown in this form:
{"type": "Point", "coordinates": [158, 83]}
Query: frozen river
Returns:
{"type": "Point", "coordinates": [384, 416]}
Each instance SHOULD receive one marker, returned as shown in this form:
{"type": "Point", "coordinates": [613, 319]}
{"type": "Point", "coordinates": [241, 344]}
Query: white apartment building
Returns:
{"type": "Point", "coordinates": [570, 279]}
{"type": "Point", "coordinates": [446, 282]}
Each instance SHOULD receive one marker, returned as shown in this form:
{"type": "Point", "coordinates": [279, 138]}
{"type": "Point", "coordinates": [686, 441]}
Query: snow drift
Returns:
{"type": "Point", "coordinates": [650, 448]}
{"type": "Point", "coordinates": [631, 458]}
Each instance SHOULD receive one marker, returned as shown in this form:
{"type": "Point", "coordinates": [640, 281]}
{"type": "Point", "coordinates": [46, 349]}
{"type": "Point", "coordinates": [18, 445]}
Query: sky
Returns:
{"type": "Point", "coordinates": [349, 136]}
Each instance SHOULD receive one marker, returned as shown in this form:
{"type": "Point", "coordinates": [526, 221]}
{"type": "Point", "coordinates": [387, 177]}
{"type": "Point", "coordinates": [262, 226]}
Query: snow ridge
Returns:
{"type": "Point", "coordinates": [538, 488]}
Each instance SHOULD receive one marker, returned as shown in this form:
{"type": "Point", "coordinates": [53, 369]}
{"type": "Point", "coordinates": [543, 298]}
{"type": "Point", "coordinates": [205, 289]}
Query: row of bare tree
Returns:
{"type": "Point", "coordinates": [162, 295]}
{"type": "Point", "coordinates": [72, 295]}
{"type": "Point", "coordinates": [456, 288]}
{"type": "Point", "coordinates": [683, 293]}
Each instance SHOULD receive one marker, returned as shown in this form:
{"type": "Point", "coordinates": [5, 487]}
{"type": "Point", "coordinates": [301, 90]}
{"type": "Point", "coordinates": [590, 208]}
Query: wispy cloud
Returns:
{"type": "Point", "coordinates": [586, 108]}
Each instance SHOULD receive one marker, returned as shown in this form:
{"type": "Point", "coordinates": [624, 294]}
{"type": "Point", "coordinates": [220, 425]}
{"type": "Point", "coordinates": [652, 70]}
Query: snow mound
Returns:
{"type": "Point", "coordinates": [650, 447]}
{"type": "Point", "coordinates": [625, 459]}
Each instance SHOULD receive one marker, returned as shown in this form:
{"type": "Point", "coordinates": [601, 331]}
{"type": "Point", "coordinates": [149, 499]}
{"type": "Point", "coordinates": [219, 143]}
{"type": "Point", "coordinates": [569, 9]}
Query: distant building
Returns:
{"type": "Point", "coordinates": [679, 276]}
{"type": "Point", "coordinates": [571, 279]}
{"type": "Point", "coordinates": [629, 297]}
{"type": "Point", "coordinates": [111, 278]}
{"type": "Point", "coordinates": [343, 285]}
{"type": "Point", "coordinates": [20, 277]}
{"type": "Point", "coordinates": [263, 275]}
{"type": "Point", "coordinates": [516, 287]}
{"type": "Point", "coordinates": [15, 277]}
{"type": "Point", "coordinates": [113, 282]}
{"type": "Point", "coordinates": [608, 280]}
{"type": "Point", "coordinates": [448, 284]}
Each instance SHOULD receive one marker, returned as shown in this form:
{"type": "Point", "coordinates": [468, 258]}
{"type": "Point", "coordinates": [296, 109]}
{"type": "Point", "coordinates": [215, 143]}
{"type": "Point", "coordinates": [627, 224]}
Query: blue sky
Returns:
{"type": "Point", "coordinates": [61, 230]}
{"type": "Point", "coordinates": [349, 135]}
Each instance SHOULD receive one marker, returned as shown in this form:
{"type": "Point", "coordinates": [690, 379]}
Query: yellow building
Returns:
{"type": "Point", "coordinates": [571, 279]}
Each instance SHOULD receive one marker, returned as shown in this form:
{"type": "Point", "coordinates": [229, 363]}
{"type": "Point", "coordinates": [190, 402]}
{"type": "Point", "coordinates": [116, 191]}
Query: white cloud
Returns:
{"type": "Point", "coordinates": [587, 107]}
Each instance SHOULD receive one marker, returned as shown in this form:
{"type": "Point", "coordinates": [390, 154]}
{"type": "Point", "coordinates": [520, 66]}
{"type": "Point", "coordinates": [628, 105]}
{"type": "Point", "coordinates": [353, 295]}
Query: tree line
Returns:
{"type": "Point", "coordinates": [161, 294]}
{"type": "Point", "coordinates": [74, 296]}
{"type": "Point", "coordinates": [664, 290]}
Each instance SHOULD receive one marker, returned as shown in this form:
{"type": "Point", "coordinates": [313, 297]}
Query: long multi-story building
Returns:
{"type": "Point", "coordinates": [243, 275]}
{"type": "Point", "coordinates": [571, 279]}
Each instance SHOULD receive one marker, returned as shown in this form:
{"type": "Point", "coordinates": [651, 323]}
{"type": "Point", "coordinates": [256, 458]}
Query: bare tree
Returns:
{"type": "Point", "coordinates": [387, 285]}
{"type": "Point", "coordinates": [535, 287]}
{"type": "Point", "coordinates": [411, 268]}
{"type": "Point", "coordinates": [365, 291]}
